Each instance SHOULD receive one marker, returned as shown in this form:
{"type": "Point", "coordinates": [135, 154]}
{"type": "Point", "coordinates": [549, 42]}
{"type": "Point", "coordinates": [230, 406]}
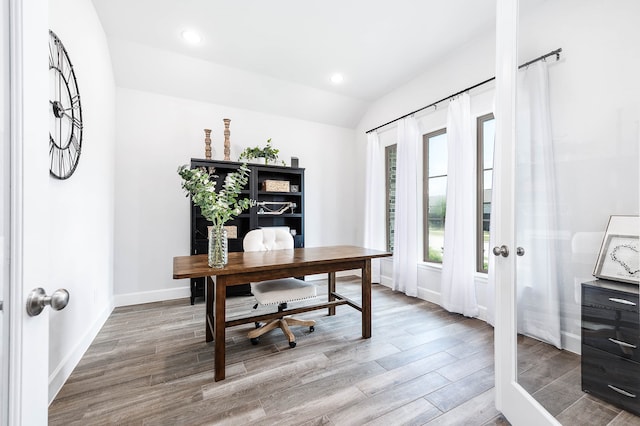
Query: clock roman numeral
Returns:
{"type": "Point", "coordinates": [77, 123]}
{"type": "Point", "coordinates": [74, 143]}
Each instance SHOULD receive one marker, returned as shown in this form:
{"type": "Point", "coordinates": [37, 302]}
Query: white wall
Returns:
{"type": "Point", "coordinates": [594, 93]}
{"type": "Point", "coordinates": [80, 222]}
{"type": "Point", "coordinates": [157, 133]}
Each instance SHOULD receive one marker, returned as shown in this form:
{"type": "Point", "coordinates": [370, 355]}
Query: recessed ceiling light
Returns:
{"type": "Point", "coordinates": [191, 37]}
{"type": "Point", "coordinates": [337, 78]}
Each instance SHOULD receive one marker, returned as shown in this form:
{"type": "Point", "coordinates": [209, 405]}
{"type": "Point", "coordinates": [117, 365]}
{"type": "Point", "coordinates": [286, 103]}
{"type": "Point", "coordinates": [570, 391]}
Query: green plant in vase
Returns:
{"type": "Point", "coordinates": [269, 153]}
{"type": "Point", "coordinates": [218, 207]}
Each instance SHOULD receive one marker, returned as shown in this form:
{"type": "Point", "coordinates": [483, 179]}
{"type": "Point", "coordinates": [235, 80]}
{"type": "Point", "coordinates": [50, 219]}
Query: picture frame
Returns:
{"type": "Point", "coordinates": [619, 256]}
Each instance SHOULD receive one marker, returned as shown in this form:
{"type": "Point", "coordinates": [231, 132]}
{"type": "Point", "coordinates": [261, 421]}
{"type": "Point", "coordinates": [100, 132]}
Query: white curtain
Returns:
{"type": "Point", "coordinates": [458, 260]}
{"type": "Point", "coordinates": [536, 210]}
{"type": "Point", "coordinates": [405, 242]}
{"type": "Point", "coordinates": [374, 214]}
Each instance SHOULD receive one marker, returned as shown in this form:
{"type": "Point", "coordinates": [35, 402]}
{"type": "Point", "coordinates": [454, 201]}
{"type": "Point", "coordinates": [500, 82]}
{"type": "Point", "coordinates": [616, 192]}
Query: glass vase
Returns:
{"type": "Point", "coordinates": [217, 247]}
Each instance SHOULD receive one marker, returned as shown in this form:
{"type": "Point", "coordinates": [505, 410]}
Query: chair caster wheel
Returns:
{"type": "Point", "coordinates": [254, 341]}
{"type": "Point", "coordinates": [312, 329]}
{"type": "Point", "coordinates": [292, 344]}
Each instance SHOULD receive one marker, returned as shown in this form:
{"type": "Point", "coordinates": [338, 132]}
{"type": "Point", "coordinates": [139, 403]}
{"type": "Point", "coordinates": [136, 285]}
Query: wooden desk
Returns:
{"type": "Point", "coordinates": [266, 265]}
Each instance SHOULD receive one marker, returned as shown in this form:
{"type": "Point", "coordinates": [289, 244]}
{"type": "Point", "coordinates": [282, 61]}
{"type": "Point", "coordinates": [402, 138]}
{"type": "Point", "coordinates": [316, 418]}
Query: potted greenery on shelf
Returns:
{"type": "Point", "coordinates": [269, 153]}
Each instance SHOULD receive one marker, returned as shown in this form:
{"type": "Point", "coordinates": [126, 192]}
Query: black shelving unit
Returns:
{"type": "Point", "coordinates": [256, 217]}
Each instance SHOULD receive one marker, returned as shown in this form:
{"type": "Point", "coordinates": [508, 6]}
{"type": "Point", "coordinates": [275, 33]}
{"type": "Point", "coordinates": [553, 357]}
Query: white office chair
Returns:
{"type": "Point", "coordinates": [277, 292]}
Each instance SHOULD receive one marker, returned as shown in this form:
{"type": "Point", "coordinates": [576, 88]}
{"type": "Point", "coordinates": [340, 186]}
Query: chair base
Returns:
{"type": "Point", "coordinates": [283, 324]}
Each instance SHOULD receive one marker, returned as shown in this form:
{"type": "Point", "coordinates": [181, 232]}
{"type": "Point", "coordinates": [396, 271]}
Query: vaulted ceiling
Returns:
{"type": "Point", "coordinates": [278, 56]}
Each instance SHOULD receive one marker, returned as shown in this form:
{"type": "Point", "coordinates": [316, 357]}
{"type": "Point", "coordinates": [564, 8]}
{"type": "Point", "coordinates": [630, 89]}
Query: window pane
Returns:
{"type": "Point", "coordinates": [488, 136]}
{"type": "Point", "coordinates": [487, 182]}
{"type": "Point", "coordinates": [435, 218]}
{"type": "Point", "coordinates": [390, 175]}
{"type": "Point", "coordinates": [486, 133]}
{"type": "Point", "coordinates": [435, 195]}
{"type": "Point", "coordinates": [438, 155]}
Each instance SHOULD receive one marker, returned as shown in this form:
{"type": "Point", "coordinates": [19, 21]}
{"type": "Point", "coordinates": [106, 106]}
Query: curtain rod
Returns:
{"type": "Point", "coordinates": [552, 53]}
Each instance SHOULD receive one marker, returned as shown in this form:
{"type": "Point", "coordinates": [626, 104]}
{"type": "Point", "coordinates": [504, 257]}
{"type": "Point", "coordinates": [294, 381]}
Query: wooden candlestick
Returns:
{"type": "Point", "coordinates": [227, 143]}
{"type": "Point", "coordinates": [207, 144]}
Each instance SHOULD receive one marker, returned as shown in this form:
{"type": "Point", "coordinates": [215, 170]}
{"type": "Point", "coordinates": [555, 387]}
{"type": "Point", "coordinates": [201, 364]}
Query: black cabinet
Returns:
{"type": "Point", "coordinates": [610, 340]}
{"type": "Point", "coordinates": [276, 207]}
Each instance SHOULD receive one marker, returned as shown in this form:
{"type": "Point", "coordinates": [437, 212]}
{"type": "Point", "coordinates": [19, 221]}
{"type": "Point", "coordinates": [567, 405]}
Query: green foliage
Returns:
{"type": "Point", "coordinates": [435, 255]}
{"type": "Point", "coordinates": [218, 207]}
{"type": "Point", "coordinates": [268, 152]}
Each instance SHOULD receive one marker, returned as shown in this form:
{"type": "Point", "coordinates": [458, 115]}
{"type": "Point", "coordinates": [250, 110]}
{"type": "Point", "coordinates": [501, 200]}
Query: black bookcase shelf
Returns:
{"type": "Point", "coordinates": [247, 221]}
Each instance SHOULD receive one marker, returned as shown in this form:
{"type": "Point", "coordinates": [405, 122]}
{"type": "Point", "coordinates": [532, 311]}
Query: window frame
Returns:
{"type": "Point", "coordinates": [480, 170]}
{"type": "Point", "coordinates": [425, 190]}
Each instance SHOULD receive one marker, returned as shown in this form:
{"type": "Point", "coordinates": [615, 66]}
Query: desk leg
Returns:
{"type": "Point", "coordinates": [209, 297]}
{"type": "Point", "coordinates": [332, 288]}
{"type": "Point", "coordinates": [219, 328]}
{"type": "Point", "coordinates": [366, 299]}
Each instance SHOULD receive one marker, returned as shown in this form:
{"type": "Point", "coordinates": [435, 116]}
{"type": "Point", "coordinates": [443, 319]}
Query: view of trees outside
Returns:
{"type": "Point", "coordinates": [437, 193]}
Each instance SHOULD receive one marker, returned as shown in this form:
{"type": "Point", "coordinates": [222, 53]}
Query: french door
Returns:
{"type": "Point", "coordinates": [593, 173]}
{"type": "Point", "coordinates": [518, 406]}
{"type": "Point", "coordinates": [24, 178]}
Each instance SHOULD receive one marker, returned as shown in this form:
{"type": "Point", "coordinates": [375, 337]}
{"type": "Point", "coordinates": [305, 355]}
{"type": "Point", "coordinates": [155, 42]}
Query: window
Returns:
{"type": "Point", "coordinates": [435, 194]}
{"type": "Point", "coordinates": [390, 156]}
{"type": "Point", "coordinates": [486, 137]}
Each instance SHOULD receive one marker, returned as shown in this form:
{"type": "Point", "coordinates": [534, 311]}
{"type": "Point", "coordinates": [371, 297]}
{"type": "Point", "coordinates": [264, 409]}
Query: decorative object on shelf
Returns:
{"type": "Point", "coordinates": [217, 207]}
{"type": "Point", "coordinates": [269, 153]}
{"type": "Point", "coordinates": [232, 231]}
{"type": "Point", "coordinates": [65, 125]}
{"type": "Point", "coordinates": [619, 258]}
{"type": "Point", "coordinates": [207, 144]}
{"type": "Point", "coordinates": [294, 188]}
{"type": "Point", "coordinates": [294, 162]}
{"type": "Point", "coordinates": [284, 206]}
{"type": "Point", "coordinates": [275, 185]}
{"type": "Point", "coordinates": [227, 143]}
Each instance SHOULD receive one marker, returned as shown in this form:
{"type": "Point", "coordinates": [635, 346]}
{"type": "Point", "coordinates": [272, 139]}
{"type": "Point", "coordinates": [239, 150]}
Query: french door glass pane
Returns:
{"type": "Point", "coordinates": [566, 190]}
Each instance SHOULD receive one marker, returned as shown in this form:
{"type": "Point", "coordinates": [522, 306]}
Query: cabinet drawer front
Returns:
{"type": "Point", "coordinates": [609, 299]}
{"type": "Point", "coordinates": [614, 379]}
{"type": "Point", "coordinates": [612, 331]}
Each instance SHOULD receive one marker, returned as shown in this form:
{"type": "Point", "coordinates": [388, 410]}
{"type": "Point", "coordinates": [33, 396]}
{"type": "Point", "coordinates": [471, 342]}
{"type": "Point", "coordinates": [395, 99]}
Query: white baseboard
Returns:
{"type": "Point", "coordinates": [386, 281]}
{"type": "Point", "coordinates": [571, 342]}
{"type": "Point", "coordinates": [151, 296]}
{"type": "Point", "coordinates": [62, 372]}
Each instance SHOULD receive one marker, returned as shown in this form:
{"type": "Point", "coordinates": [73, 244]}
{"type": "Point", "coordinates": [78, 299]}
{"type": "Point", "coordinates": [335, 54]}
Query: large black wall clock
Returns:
{"type": "Point", "coordinates": [65, 122]}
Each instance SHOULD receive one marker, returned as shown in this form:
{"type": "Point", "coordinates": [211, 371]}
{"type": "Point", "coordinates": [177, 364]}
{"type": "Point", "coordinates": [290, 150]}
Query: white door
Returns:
{"type": "Point", "coordinates": [518, 406]}
{"type": "Point", "coordinates": [592, 170]}
{"type": "Point", "coordinates": [25, 36]}
{"type": "Point", "coordinates": [4, 202]}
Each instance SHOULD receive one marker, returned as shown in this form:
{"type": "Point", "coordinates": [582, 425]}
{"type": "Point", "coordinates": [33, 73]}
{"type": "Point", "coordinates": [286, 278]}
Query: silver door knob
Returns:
{"type": "Point", "coordinates": [38, 299]}
{"type": "Point", "coordinates": [520, 251]}
{"type": "Point", "coordinates": [501, 251]}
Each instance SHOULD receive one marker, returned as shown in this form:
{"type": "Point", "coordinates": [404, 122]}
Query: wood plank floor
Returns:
{"type": "Point", "coordinates": [150, 365]}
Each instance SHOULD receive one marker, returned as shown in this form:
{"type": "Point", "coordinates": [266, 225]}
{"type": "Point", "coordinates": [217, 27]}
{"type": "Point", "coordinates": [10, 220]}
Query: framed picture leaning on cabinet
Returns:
{"type": "Point", "coordinates": [619, 257]}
